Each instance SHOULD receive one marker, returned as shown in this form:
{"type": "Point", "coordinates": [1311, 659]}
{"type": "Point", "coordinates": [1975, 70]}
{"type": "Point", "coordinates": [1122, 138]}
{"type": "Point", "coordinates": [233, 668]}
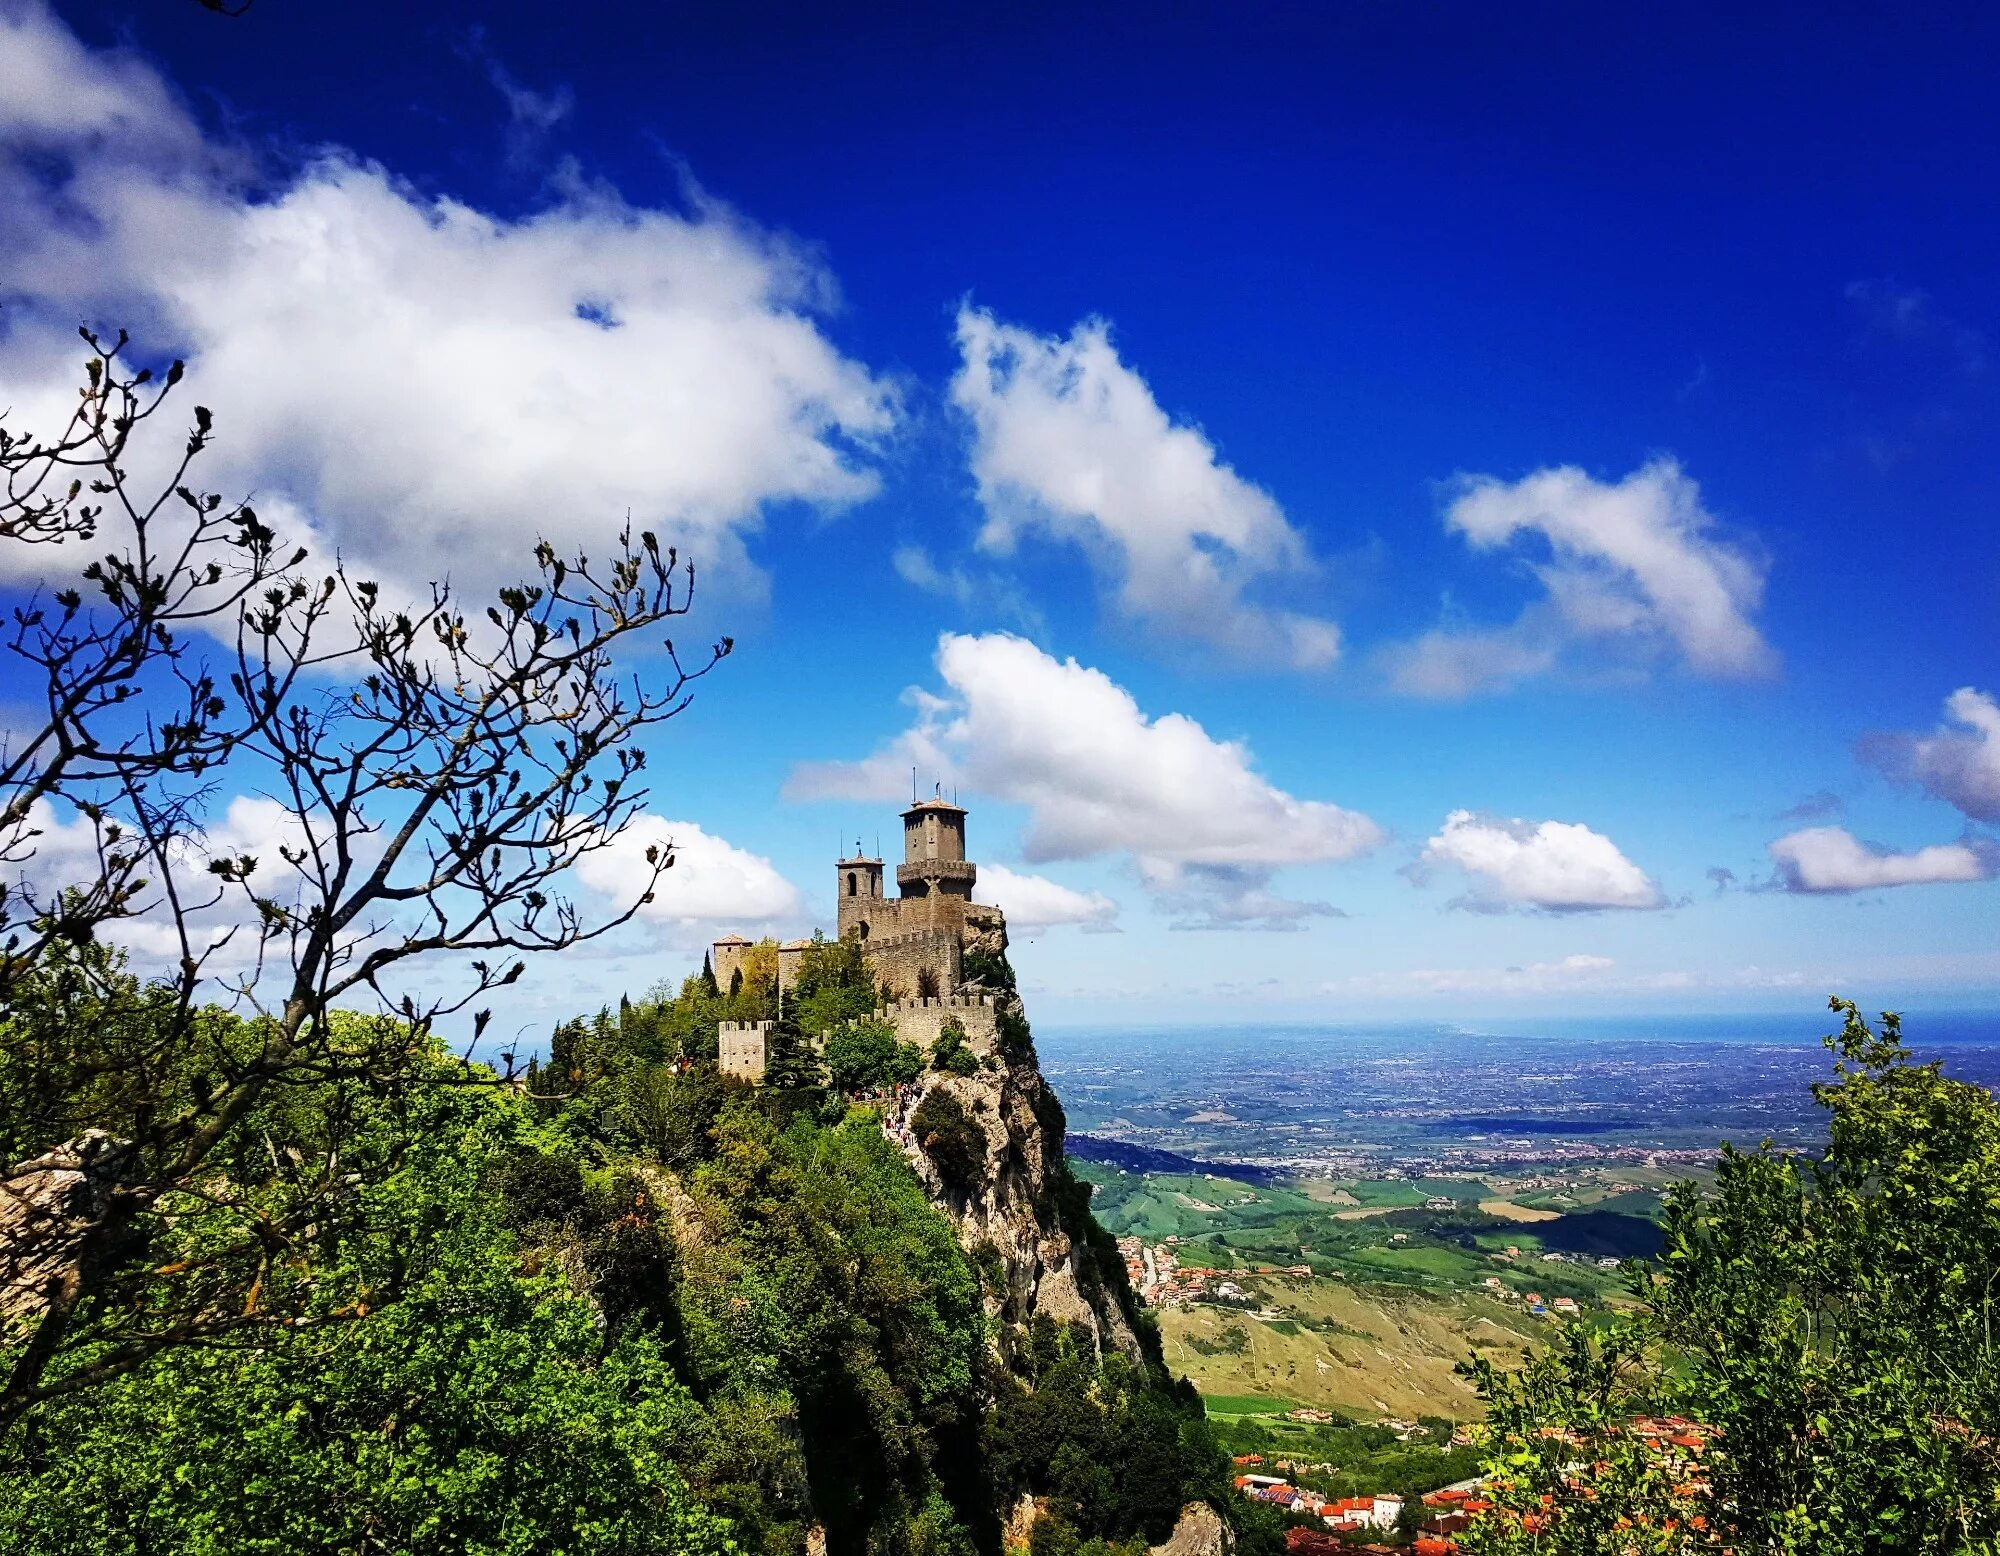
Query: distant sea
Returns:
{"type": "Point", "coordinates": [1424, 1091]}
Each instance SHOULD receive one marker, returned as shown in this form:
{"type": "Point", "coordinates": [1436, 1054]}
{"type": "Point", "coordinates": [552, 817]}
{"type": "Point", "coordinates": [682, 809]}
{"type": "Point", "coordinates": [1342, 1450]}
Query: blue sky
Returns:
{"type": "Point", "coordinates": [1377, 504]}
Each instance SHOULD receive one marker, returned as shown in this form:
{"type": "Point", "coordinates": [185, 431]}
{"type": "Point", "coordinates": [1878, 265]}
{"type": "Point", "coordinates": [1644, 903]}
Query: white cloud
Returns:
{"type": "Point", "coordinates": [1226, 896]}
{"type": "Point", "coordinates": [1832, 859]}
{"type": "Point", "coordinates": [1570, 972]}
{"type": "Point", "coordinates": [1069, 441]}
{"type": "Point", "coordinates": [1560, 866]}
{"type": "Point", "coordinates": [1581, 974]}
{"type": "Point", "coordinates": [429, 386]}
{"type": "Point", "coordinates": [712, 882]}
{"type": "Point", "coordinates": [220, 930]}
{"type": "Point", "coordinates": [1958, 765]}
{"type": "Point", "coordinates": [1634, 568]}
{"type": "Point", "coordinates": [1036, 902]}
{"type": "Point", "coordinates": [52, 87]}
{"type": "Point", "coordinates": [1098, 776]}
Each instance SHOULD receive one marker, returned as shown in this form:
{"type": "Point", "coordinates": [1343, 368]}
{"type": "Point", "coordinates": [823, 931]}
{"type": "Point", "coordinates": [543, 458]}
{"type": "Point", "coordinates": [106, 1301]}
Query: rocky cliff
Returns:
{"type": "Point", "coordinates": [1020, 1214]}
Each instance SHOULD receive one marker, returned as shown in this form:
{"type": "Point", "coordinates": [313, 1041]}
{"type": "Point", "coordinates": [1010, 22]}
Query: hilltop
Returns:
{"type": "Point", "coordinates": [792, 1259]}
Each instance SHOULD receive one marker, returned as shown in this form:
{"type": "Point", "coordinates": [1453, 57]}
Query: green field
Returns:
{"type": "Point", "coordinates": [1246, 1405]}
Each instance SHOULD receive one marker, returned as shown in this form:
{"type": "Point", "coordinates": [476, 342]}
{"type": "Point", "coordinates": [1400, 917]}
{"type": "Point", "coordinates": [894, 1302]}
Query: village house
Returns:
{"type": "Point", "coordinates": [1377, 1512]}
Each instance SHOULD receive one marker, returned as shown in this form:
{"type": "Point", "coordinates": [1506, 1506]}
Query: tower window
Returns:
{"type": "Point", "coordinates": [850, 883]}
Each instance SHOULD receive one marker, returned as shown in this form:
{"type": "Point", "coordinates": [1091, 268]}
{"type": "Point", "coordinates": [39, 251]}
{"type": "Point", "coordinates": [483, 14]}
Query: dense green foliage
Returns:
{"type": "Point", "coordinates": [1116, 1453]}
{"type": "Point", "coordinates": [950, 1053]}
{"type": "Point", "coordinates": [951, 1138]}
{"type": "Point", "coordinates": [442, 1394]}
{"type": "Point", "coordinates": [634, 1306]}
{"type": "Point", "coordinates": [1826, 1323]}
{"type": "Point", "coordinates": [866, 1056]}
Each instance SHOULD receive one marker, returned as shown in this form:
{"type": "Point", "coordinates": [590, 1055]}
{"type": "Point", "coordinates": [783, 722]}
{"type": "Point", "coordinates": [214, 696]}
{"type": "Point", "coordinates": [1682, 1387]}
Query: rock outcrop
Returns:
{"type": "Point", "coordinates": [1200, 1532]}
{"type": "Point", "coordinates": [49, 1207]}
{"type": "Point", "coordinates": [1021, 1213]}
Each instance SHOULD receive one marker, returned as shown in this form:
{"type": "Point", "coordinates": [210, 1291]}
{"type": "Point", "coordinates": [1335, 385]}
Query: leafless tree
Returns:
{"type": "Point", "coordinates": [437, 777]}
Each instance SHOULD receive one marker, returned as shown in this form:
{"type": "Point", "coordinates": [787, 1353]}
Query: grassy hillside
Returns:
{"type": "Point", "coordinates": [1362, 1353]}
{"type": "Point", "coordinates": [1408, 1278]}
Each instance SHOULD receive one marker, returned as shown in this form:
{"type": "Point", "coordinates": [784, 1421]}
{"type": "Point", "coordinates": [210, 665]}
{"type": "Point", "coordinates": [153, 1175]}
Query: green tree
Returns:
{"type": "Point", "coordinates": [1826, 1323]}
{"type": "Point", "coordinates": [833, 986]}
{"type": "Point", "coordinates": [789, 1057]}
{"type": "Point", "coordinates": [950, 1052]}
{"type": "Point", "coordinates": [438, 770]}
{"type": "Point", "coordinates": [950, 1137]}
{"type": "Point", "coordinates": [867, 1055]}
{"type": "Point", "coordinates": [488, 1409]}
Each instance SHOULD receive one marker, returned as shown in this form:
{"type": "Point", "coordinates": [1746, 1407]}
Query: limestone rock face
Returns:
{"type": "Point", "coordinates": [985, 935]}
{"type": "Point", "coordinates": [48, 1208]}
{"type": "Point", "coordinates": [1200, 1532]}
{"type": "Point", "coordinates": [1013, 1207]}
{"type": "Point", "coordinates": [1019, 1528]}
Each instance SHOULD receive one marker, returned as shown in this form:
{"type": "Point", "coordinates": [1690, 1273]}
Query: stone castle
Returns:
{"type": "Point", "coordinates": [914, 943]}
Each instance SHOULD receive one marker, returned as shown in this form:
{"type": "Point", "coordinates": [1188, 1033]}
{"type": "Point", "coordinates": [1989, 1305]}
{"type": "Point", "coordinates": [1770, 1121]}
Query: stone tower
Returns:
{"type": "Point", "coordinates": [858, 889]}
{"type": "Point", "coordinates": [726, 959]}
{"type": "Point", "coordinates": [934, 865]}
{"type": "Point", "coordinates": [915, 942]}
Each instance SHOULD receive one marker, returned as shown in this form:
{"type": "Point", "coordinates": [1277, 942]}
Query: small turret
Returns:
{"type": "Point", "coordinates": [858, 889]}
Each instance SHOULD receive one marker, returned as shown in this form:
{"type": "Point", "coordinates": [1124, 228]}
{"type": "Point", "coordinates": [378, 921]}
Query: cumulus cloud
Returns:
{"type": "Point", "coordinates": [427, 386]}
{"type": "Point", "coordinates": [1557, 866]}
{"type": "Point", "coordinates": [1959, 762]}
{"type": "Point", "coordinates": [1098, 776]}
{"type": "Point", "coordinates": [1068, 442]}
{"type": "Point", "coordinates": [1634, 568]}
{"type": "Point", "coordinates": [713, 884]}
{"type": "Point", "coordinates": [1036, 902]}
{"type": "Point", "coordinates": [1832, 859]}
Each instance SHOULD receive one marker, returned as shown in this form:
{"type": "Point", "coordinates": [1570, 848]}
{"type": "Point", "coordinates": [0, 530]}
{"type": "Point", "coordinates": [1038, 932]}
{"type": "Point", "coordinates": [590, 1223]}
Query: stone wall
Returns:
{"type": "Point", "coordinates": [741, 1047]}
{"type": "Point", "coordinates": [920, 1021]}
{"type": "Point", "coordinates": [897, 960]}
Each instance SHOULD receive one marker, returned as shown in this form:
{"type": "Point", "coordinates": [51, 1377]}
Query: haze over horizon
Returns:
{"type": "Point", "coordinates": [1371, 514]}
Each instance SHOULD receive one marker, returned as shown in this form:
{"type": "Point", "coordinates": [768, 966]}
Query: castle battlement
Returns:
{"type": "Point", "coordinates": [922, 1022]}
{"type": "Point", "coordinates": [946, 1002]}
{"type": "Point", "coordinates": [911, 937]}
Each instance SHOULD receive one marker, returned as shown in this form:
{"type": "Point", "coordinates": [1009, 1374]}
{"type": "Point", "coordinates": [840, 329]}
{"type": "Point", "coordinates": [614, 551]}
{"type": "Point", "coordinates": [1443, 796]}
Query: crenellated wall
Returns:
{"type": "Point", "coordinates": [921, 1021]}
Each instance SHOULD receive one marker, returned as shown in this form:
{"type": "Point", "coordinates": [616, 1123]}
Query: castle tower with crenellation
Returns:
{"type": "Point", "coordinates": [915, 941]}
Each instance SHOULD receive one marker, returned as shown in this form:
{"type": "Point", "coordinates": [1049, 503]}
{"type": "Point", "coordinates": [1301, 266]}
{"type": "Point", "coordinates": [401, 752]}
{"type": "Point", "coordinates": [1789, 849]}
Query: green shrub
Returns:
{"type": "Point", "coordinates": [950, 1053]}
{"type": "Point", "coordinates": [867, 1056]}
{"type": "Point", "coordinates": [950, 1138]}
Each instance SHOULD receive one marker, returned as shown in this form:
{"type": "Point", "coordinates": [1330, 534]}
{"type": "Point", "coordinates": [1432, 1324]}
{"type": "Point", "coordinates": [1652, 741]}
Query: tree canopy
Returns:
{"type": "Point", "coordinates": [1819, 1332]}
